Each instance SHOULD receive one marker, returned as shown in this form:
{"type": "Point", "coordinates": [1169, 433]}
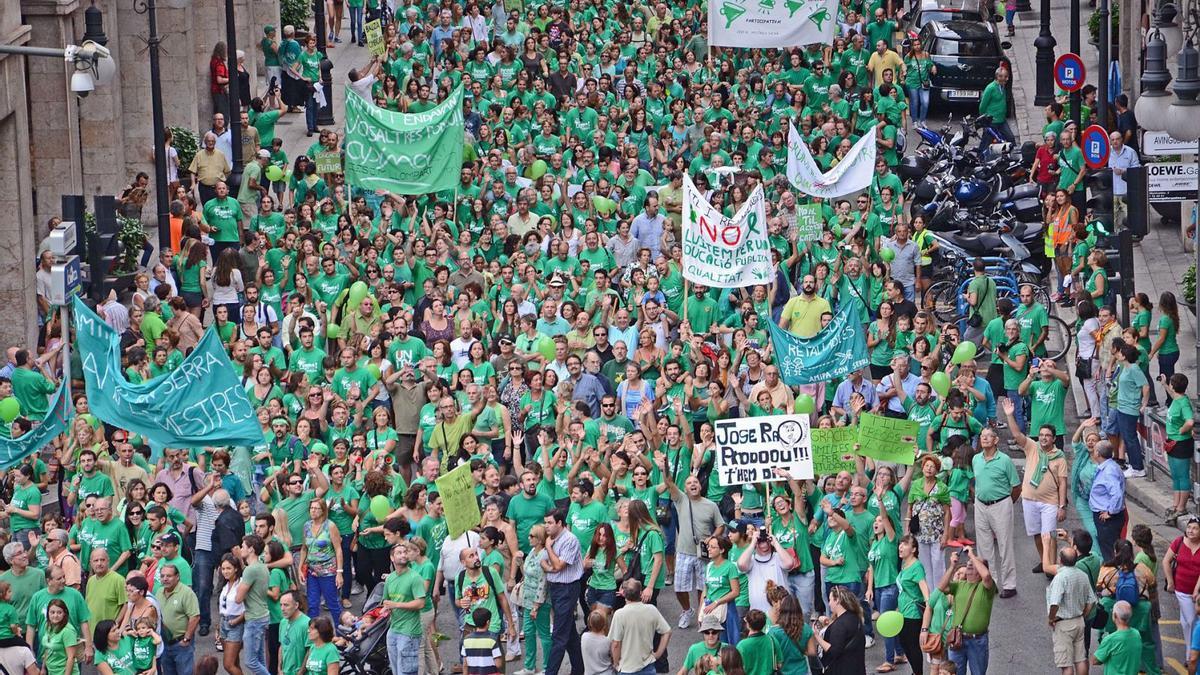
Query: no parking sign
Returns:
{"type": "Point", "coordinates": [1069, 73]}
{"type": "Point", "coordinates": [1095, 147]}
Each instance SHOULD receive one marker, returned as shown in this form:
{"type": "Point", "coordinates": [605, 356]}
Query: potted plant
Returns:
{"type": "Point", "coordinates": [295, 13]}
{"type": "Point", "coordinates": [1114, 31]}
{"type": "Point", "coordinates": [186, 144]}
{"type": "Point", "coordinates": [133, 238]}
{"type": "Point", "coordinates": [1189, 287]}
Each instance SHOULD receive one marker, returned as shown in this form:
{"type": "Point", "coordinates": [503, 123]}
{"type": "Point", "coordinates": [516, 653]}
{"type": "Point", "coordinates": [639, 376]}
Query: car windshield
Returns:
{"type": "Point", "coordinates": [931, 15]}
{"type": "Point", "coordinates": [951, 47]}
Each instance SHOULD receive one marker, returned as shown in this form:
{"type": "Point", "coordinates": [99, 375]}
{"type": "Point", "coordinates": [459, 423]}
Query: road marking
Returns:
{"type": "Point", "coordinates": [1176, 665]}
{"type": "Point", "coordinates": [1172, 622]}
{"type": "Point", "coordinates": [1173, 640]}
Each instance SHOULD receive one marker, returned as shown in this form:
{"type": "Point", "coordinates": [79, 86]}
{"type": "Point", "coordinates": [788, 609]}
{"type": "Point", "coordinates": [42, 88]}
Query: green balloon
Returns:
{"type": "Point", "coordinates": [538, 169]}
{"type": "Point", "coordinates": [380, 507]}
{"type": "Point", "coordinates": [9, 409]}
{"type": "Point", "coordinates": [333, 331]}
{"type": "Point", "coordinates": [374, 371]}
{"type": "Point", "coordinates": [274, 173]}
{"type": "Point", "coordinates": [890, 623]}
{"type": "Point", "coordinates": [603, 204]}
{"type": "Point", "coordinates": [805, 404]}
{"type": "Point", "coordinates": [358, 291]}
{"type": "Point", "coordinates": [887, 254]}
{"type": "Point", "coordinates": [965, 351]}
{"type": "Point", "coordinates": [940, 383]}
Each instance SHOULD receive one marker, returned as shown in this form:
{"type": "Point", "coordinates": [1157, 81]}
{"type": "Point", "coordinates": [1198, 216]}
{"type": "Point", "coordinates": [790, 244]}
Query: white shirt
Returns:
{"type": "Point", "coordinates": [759, 574]}
{"type": "Point", "coordinates": [452, 549]}
{"type": "Point", "coordinates": [1126, 158]}
{"type": "Point", "coordinates": [225, 145]}
{"type": "Point", "coordinates": [362, 86]}
{"type": "Point", "coordinates": [479, 27]}
{"type": "Point", "coordinates": [230, 607]}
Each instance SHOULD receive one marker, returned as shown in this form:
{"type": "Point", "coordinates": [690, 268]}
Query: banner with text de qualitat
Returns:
{"type": "Point", "coordinates": [404, 153]}
{"type": "Point", "coordinates": [836, 351]}
{"type": "Point", "coordinates": [771, 23]}
{"type": "Point", "coordinates": [851, 174]}
{"type": "Point", "coordinates": [199, 404]}
{"type": "Point", "coordinates": [457, 489]}
{"type": "Point", "coordinates": [749, 449]}
{"type": "Point", "coordinates": [57, 421]}
{"type": "Point", "coordinates": [725, 252]}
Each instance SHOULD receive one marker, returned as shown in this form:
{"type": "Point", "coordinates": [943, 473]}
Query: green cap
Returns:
{"type": "Point", "coordinates": [268, 29]}
{"type": "Point", "coordinates": [320, 449]}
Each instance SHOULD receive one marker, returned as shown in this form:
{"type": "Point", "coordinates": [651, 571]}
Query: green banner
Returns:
{"type": "Point", "coordinates": [57, 421]}
{"type": "Point", "coordinates": [809, 223]}
{"type": "Point", "coordinates": [457, 489]}
{"type": "Point", "coordinates": [887, 439]}
{"type": "Point", "coordinates": [201, 403]}
{"type": "Point", "coordinates": [839, 349]}
{"type": "Point", "coordinates": [404, 153]}
{"type": "Point", "coordinates": [833, 450]}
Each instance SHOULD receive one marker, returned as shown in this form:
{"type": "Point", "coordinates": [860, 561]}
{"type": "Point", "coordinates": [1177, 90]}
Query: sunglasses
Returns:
{"type": "Point", "coordinates": [710, 632]}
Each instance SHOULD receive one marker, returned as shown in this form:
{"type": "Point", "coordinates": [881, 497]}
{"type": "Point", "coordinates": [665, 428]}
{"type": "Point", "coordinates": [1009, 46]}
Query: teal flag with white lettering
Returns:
{"type": "Point", "coordinates": [57, 421]}
{"type": "Point", "coordinates": [404, 153]}
{"type": "Point", "coordinates": [839, 349]}
{"type": "Point", "coordinates": [199, 404]}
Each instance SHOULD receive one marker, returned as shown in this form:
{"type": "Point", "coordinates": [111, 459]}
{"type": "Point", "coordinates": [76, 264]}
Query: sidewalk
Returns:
{"type": "Point", "coordinates": [1160, 245]}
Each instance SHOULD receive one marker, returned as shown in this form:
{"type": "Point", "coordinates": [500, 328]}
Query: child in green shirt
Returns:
{"type": "Point", "coordinates": [10, 626]}
{"type": "Point", "coordinates": [146, 643]}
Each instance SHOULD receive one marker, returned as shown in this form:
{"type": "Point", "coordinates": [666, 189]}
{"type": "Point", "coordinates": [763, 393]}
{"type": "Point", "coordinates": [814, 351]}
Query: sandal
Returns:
{"type": "Point", "coordinates": [885, 667]}
{"type": "Point", "coordinates": [899, 660]}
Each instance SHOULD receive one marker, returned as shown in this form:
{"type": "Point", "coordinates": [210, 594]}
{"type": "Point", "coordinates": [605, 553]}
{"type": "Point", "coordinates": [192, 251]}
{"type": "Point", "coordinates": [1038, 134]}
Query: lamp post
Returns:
{"type": "Point", "coordinates": [153, 41]}
{"type": "Point", "coordinates": [1183, 121]}
{"type": "Point", "coordinates": [1044, 57]}
{"type": "Point", "coordinates": [325, 112]}
{"type": "Point", "coordinates": [234, 113]}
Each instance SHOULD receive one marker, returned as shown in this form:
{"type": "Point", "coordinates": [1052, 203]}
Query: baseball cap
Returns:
{"type": "Point", "coordinates": [711, 622]}
{"type": "Point", "coordinates": [170, 538]}
{"type": "Point", "coordinates": [268, 29]}
{"type": "Point", "coordinates": [505, 337]}
{"type": "Point", "coordinates": [264, 154]}
{"type": "Point", "coordinates": [739, 526]}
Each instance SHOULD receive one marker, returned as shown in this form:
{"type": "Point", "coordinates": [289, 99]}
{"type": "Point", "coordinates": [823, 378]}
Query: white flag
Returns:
{"type": "Point", "coordinates": [725, 252]}
{"type": "Point", "coordinates": [851, 174]}
{"type": "Point", "coordinates": [771, 23]}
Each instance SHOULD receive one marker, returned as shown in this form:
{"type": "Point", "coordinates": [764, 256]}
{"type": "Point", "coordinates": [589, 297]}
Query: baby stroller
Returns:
{"type": "Point", "coordinates": [367, 654]}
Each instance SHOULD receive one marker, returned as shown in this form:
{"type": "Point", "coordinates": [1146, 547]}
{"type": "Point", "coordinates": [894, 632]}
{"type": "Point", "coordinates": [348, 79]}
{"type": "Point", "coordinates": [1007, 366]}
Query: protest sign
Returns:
{"type": "Point", "coordinates": [200, 403]}
{"type": "Point", "coordinates": [887, 439]}
{"type": "Point", "coordinates": [851, 174]}
{"type": "Point", "coordinates": [404, 153]}
{"type": "Point", "coordinates": [374, 34]}
{"type": "Point", "coordinates": [329, 161]}
{"type": "Point", "coordinates": [750, 449]}
{"type": "Point", "coordinates": [836, 351]}
{"type": "Point", "coordinates": [457, 489]}
{"type": "Point", "coordinates": [765, 23]}
{"type": "Point", "coordinates": [725, 252]}
{"type": "Point", "coordinates": [57, 421]}
{"type": "Point", "coordinates": [833, 450]}
{"type": "Point", "coordinates": [809, 223]}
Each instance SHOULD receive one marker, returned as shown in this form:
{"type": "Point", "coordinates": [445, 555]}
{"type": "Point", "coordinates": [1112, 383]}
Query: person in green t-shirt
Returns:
{"type": "Point", "coordinates": [722, 585]}
{"type": "Point", "coordinates": [1180, 422]}
{"type": "Point", "coordinates": [322, 653]}
{"type": "Point", "coordinates": [1048, 395]}
{"type": "Point", "coordinates": [404, 595]}
{"type": "Point", "coordinates": [223, 215]}
{"type": "Point", "coordinates": [1014, 356]}
{"type": "Point", "coordinates": [1120, 652]}
{"type": "Point", "coordinates": [293, 633]}
{"type": "Point", "coordinates": [973, 599]}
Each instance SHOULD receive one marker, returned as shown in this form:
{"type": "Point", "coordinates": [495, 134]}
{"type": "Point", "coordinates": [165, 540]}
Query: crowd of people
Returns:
{"type": "Point", "coordinates": [534, 324]}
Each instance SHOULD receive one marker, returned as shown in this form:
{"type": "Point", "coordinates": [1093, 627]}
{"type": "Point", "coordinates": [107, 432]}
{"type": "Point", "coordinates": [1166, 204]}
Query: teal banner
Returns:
{"type": "Point", "coordinates": [838, 350]}
{"type": "Point", "coordinates": [57, 421]}
{"type": "Point", "coordinates": [199, 404]}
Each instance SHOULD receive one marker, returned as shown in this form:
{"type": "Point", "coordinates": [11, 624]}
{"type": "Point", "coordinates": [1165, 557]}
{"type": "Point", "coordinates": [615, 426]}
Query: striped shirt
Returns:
{"type": "Point", "coordinates": [566, 547]}
{"type": "Point", "coordinates": [206, 522]}
{"type": "Point", "coordinates": [479, 652]}
{"type": "Point", "coordinates": [1071, 591]}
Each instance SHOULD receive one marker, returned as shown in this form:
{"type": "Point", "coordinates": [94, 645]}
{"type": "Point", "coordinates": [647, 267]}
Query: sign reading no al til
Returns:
{"type": "Point", "coordinates": [750, 449]}
{"type": "Point", "coordinates": [725, 252]}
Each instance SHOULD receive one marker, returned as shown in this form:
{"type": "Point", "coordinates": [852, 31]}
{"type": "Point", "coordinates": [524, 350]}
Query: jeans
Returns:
{"type": "Point", "coordinates": [1166, 368]}
{"type": "Point", "coordinates": [310, 113]}
{"type": "Point", "coordinates": [402, 653]}
{"type": "Point", "coordinates": [918, 100]}
{"type": "Point", "coordinates": [803, 586]}
{"type": "Point", "coordinates": [886, 599]}
{"type": "Point", "coordinates": [177, 659]}
{"type": "Point", "coordinates": [1108, 532]}
{"type": "Point", "coordinates": [322, 587]}
{"type": "Point", "coordinates": [202, 573]}
{"type": "Point", "coordinates": [536, 630]}
{"type": "Point", "coordinates": [648, 670]}
{"type": "Point", "coordinates": [356, 24]}
{"type": "Point", "coordinates": [974, 653]}
{"type": "Point", "coordinates": [1127, 427]}
{"type": "Point", "coordinates": [253, 645]}
{"type": "Point", "coordinates": [1019, 405]}
{"type": "Point", "coordinates": [347, 560]}
{"type": "Point", "coordinates": [565, 637]}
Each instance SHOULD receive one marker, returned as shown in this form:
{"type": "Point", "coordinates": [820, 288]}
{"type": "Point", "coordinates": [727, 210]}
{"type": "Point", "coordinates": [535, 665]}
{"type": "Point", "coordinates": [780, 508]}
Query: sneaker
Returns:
{"type": "Point", "coordinates": [670, 578]}
{"type": "Point", "coordinates": [870, 642]}
{"type": "Point", "coordinates": [1135, 473]}
{"type": "Point", "coordinates": [357, 589]}
{"type": "Point", "coordinates": [523, 672]}
{"type": "Point", "coordinates": [685, 619]}
{"type": "Point", "coordinates": [1169, 518]}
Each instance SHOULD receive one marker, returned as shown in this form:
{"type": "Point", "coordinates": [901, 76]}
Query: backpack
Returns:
{"type": "Point", "coordinates": [1127, 587]}
{"type": "Point", "coordinates": [487, 576]}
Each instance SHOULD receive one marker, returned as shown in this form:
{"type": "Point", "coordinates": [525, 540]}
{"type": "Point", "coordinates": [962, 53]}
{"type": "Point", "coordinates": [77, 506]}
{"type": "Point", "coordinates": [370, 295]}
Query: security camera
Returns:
{"type": "Point", "coordinates": [82, 83]}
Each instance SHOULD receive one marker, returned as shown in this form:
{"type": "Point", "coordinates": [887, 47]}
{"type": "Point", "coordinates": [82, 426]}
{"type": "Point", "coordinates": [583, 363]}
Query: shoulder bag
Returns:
{"type": "Point", "coordinates": [955, 638]}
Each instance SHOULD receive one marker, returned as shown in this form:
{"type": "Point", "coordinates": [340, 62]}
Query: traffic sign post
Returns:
{"type": "Point", "coordinates": [1094, 144]}
{"type": "Point", "coordinates": [1069, 73]}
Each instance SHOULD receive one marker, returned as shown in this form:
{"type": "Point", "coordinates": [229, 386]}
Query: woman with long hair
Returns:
{"type": "Point", "coordinates": [646, 543]}
{"type": "Point", "coordinates": [321, 560]}
{"type": "Point", "coordinates": [842, 642]}
{"type": "Point", "coordinates": [882, 591]}
{"type": "Point", "coordinates": [59, 641]}
{"type": "Point", "coordinates": [914, 594]}
{"type": "Point", "coordinates": [601, 559]}
{"type": "Point", "coordinates": [225, 284]}
{"type": "Point", "coordinates": [233, 614]}
{"type": "Point", "coordinates": [1166, 347]}
{"type": "Point", "coordinates": [192, 272]}
{"type": "Point", "coordinates": [790, 630]}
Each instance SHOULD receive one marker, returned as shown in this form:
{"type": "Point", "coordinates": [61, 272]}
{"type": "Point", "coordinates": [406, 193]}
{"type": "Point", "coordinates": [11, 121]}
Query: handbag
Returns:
{"type": "Point", "coordinates": [633, 570]}
{"type": "Point", "coordinates": [955, 639]}
{"type": "Point", "coordinates": [1083, 368]}
{"type": "Point", "coordinates": [721, 612]}
{"type": "Point", "coordinates": [932, 643]}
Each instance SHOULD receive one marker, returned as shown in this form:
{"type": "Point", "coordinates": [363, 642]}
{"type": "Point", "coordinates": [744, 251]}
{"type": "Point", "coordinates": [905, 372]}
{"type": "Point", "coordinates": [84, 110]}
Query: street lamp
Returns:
{"type": "Point", "coordinates": [1164, 22]}
{"type": "Point", "coordinates": [1152, 105]}
{"type": "Point", "coordinates": [153, 41]}
{"type": "Point", "coordinates": [234, 114]}
{"type": "Point", "coordinates": [1183, 123]}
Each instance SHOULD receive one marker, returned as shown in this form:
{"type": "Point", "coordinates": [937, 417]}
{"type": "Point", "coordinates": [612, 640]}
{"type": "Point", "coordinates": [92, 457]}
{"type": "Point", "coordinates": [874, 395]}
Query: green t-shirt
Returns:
{"type": "Point", "coordinates": [481, 594]}
{"type": "Point", "coordinates": [994, 478]}
{"type": "Point", "coordinates": [31, 388]}
{"type": "Point", "coordinates": [909, 582]}
{"type": "Point", "coordinates": [404, 587]}
{"type": "Point", "coordinates": [120, 658]}
{"type": "Point", "coordinates": [841, 545]}
{"type": "Point", "coordinates": [979, 614]}
{"type": "Point", "coordinates": [1178, 413]}
{"type": "Point", "coordinates": [1170, 344]}
{"type": "Point", "coordinates": [1129, 389]}
{"type": "Point", "coordinates": [54, 649]}
{"type": "Point", "coordinates": [885, 561]}
{"type": "Point", "coordinates": [293, 641]}
{"type": "Point", "coordinates": [337, 507]}
{"type": "Point", "coordinates": [23, 498]}
{"type": "Point", "coordinates": [8, 617]}
{"type": "Point", "coordinates": [652, 543]}
{"type": "Point", "coordinates": [583, 521]}
{"type": "Point", "coordinates": [526, 512]}
{"type": "Point", "coordinates": [1012, 376]}
{"type": "Point", "coordinates": [320, 658]}
{"type": "Point", "coordinates": [717, 578]}
{"type": "Point", "coordinates": [105, 596]}
{"type": "Point", "coordinates": [697, 651]}
{"type": "Point", "coordinates": [759, 653]}
{"type": "Point", "coordinates": [1070, 163]}
{"type": "Point", "coordinates": [224, 215]}
{"type": "Point", "coordinates": [794, 658]}
{"type": "Point", "coordinates": [1121, 652]}
{"type": "Point", "coordinates": [24, 587]}
{"type": "Point", "coordinates": [258, 578]}
{"type": "Point", "coordinates": [603, 575]}
{"type": "Point", "coordinates": [278, 579]}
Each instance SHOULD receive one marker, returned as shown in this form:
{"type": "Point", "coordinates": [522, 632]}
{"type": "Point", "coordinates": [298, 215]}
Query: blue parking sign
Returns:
{"type": "Point", "coordinates": [1069, 73]}
{"type": "Point", "coordinates": [1095, 147]}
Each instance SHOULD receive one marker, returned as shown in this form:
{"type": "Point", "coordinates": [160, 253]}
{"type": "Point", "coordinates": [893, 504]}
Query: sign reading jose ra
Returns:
{"type": "Point", "coordinates": [750, 449]}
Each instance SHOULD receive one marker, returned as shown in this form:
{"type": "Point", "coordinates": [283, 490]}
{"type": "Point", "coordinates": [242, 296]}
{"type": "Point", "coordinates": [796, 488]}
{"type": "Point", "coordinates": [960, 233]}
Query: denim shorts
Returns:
{"type": "Point", "coordinates": [595, 596]}
{"type": "Point", "coordinates": [231, 633]}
